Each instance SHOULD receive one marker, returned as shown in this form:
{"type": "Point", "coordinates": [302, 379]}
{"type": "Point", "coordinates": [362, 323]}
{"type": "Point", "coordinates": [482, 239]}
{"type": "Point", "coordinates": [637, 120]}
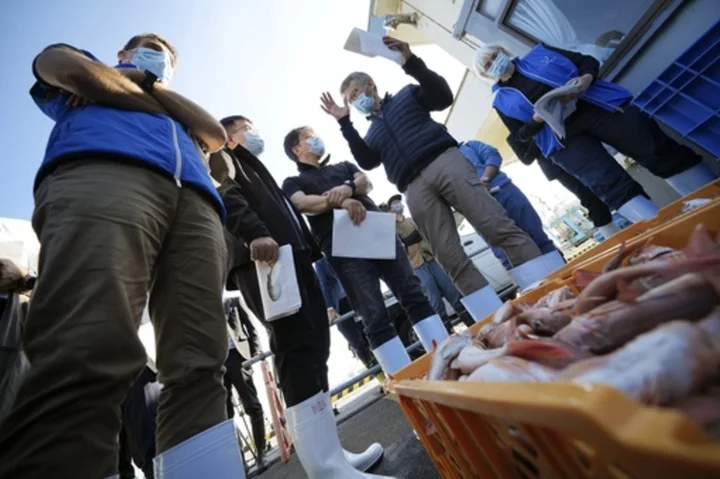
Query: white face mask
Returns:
{"type": "Point", "coordinates": [157, 63]}
{"type": "Point", "coordinates": [254, 143]}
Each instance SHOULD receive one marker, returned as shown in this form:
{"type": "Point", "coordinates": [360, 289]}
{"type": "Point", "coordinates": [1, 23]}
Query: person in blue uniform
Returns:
{"type": "Point", "coordinates": [487, 160]}
{"type": "Point", "coordinates": [603, 115]}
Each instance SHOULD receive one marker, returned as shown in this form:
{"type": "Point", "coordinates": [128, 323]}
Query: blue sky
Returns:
{"type": "Point", "coordinates": [268, 60]}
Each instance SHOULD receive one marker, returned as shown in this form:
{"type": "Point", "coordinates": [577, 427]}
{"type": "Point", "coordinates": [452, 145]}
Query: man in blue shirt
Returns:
{"type": "Point", "coordinates": [337, 304]}
{"type": "Point", "coordinates": [123, 204]}
{"type": "Point", "coordinates": [487, 160]}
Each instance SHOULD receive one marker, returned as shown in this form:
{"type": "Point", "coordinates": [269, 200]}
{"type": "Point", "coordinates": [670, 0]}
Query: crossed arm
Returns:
{"type": "Point", "coordinates": [70, 70]}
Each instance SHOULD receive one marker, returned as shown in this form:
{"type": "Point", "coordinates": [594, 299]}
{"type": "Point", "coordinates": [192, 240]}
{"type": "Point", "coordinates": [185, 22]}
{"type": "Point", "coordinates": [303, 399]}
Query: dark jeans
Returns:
{"type": "Point", "coordinates": [632, 133]}
{"type": "Point", "coordinates": [352, 332]}
{"type": "Point", "coordinates": [360, 279]}
{"type": "Point", "coordinates": [242, 380]}
{"type": "Point", "coordinates": [522, 212]}
{"type": "Point", "coordinates": [598, 211]}
{"type": "Point", "coordinates": [301, 342]}
{"type": "Point", "coordinates": [436, 284]}
{"type": "Point", "coordinates": [139, 420]}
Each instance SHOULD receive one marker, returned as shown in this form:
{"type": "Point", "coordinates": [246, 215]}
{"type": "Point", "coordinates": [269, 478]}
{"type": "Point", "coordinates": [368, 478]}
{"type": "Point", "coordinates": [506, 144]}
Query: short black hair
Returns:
{"type": "Point", "coordinates": [229, 121]}
{"type": "Point", "coordinates": [135, 41]}
{"type": "Point", "coordinates": [292, 139]}
{"type": "Point", "coordinates": [393, 199]}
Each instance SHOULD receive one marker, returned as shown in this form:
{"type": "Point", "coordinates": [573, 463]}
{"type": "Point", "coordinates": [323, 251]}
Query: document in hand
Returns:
{"type": "Point", "coordinates": [279, 286]}
{"type": "Point", "coordinates": [553, 111]}
{"type": "Point", "coordinates": [374, 238]}
{"type": "Point", "coordinates": [370, 45]}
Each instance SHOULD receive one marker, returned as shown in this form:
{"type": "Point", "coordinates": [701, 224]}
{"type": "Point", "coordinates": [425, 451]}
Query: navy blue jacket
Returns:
{"type": "Point", "coordinates": [403, 137]}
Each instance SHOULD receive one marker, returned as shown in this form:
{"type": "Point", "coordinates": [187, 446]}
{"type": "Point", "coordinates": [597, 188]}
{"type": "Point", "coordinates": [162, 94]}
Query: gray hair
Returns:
{"type": "Point", "coordinates": [361, 78]}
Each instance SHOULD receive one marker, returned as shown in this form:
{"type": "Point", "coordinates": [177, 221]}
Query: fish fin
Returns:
{"type": "Point", "coordinates": [700, 243]}
{"type": "Point", "coordinates": [582, 278]}
{"type": "Point", "coordinates": [625, 291]}
{"type": "Point", "coordinates": [532, 349]}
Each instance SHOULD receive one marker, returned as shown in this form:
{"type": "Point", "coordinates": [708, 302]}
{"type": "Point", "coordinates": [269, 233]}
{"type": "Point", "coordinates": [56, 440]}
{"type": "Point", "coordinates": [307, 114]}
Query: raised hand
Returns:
{"type": "Point", "coordinates": [398, 46]}
{"type": "Point", "coordinates": [328, 105]}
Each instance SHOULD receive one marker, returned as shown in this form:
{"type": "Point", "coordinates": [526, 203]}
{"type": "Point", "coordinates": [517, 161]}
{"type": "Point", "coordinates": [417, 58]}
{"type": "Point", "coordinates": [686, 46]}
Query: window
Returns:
{"type": "Point", "coordinates": [591, 27]}
{"type": "Point", "coordinates": [491, 8]}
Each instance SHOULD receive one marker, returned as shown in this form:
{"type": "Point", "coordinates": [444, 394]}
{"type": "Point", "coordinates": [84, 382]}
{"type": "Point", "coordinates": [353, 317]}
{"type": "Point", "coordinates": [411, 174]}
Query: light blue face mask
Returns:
{"type": "Point", "coordinates": [364, 104]}
{"type": "Point", "coordinates": [157, 63]}
{"type": "Point", "coordinates": [396, 208]}
{"type": "Point", "coordinates": [500, 66]}
{"type": "Point", "coordinates": [254, 143]}
{"type": "Point", "coordinates": [317, 146]}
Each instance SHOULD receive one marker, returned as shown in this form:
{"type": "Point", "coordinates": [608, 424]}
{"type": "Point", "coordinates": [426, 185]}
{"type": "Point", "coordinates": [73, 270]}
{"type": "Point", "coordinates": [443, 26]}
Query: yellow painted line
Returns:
{"type": "Point", "coordinates": [353, 388]}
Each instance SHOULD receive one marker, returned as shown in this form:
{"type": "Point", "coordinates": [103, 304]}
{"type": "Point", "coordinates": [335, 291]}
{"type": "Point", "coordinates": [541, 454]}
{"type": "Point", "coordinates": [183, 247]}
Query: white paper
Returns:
{"type": "Point", "coordinates": [374, 238]}
{"type": "Point", "coordinates": [364, 43]}
{"type": "Point", "coordinates": [279, 286]}
{"type": "Point", "coordinates": [553, 111]}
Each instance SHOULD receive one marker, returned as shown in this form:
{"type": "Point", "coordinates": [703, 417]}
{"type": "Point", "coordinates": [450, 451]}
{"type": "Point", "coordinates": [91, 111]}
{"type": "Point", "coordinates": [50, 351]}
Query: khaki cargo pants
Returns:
{"type": "Point", "coordinates": [110, 232]}
{"type": "Point", "coordinates": [451, 181]}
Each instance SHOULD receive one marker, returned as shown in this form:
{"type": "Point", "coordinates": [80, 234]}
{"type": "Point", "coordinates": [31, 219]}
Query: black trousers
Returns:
{"type": "Point", "coordinates": [139, 419]}
{"type": "Point", "coordinates": [301, 342]}
{"type": "Point", "coordinates": [632, 133]}
{"type": "Point", "coordinates": [242, 380]}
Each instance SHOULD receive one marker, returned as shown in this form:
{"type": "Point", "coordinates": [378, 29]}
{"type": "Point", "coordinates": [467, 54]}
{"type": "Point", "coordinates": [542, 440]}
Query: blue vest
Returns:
{"type": "Point", "coordinates": [555, 70]}
{"type": "Point", "coordinates": [96, 130]}
{"type": "Point", "coordinates": [406, 137]}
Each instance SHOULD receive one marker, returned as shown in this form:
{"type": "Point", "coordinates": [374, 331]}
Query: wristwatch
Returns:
{"type": "Point", "coordinates": [351, 184]}
{"type": "Point", "coordinates": [149, 81]}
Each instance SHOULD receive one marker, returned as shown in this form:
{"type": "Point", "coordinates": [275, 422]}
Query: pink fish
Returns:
{"type": "Point", "coordinates": [512, 369]}
{"type": "Point", "coordinates": [546, 352]}
{"type": "Point", "coordinates": [445, 353]}
{"type": "Point", "coordinates": [613, 324]}
{"type": "Point", "coordinates": [659, 367]}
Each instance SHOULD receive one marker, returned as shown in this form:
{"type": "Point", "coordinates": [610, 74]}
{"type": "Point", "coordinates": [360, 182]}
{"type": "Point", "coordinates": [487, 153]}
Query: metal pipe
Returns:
{"type": "Point", "coordinates": [368, 372]}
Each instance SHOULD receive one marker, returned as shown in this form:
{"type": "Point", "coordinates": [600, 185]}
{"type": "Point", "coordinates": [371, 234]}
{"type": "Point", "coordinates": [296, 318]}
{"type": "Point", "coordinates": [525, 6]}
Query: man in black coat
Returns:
{"type": "Point", "coordinates": [260, 219]}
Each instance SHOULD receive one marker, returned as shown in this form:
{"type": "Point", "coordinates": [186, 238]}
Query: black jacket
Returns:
{"type": "Point", "coordinates": [256, 207]}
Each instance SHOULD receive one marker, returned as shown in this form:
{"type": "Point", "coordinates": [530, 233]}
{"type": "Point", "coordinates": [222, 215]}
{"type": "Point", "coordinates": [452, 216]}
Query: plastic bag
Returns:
{"type": "Point", "coordinates": [13, 362]}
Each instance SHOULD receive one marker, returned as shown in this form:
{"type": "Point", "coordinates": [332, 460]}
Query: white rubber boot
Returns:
{"type": "Point", "coordinates": [608, 230]}
{"type": "Point", "coordinates": [692, 179]}
{"type": "Point", "coordinates": [312, 427]}
{"type": "Point", "coordinates": [531, 272]}
{"type": "Point", "coordinates": [365, 460]}
{"type": "Point", "coordinates": [638, 208]}
{"type": "Point", "coordinates": [212, 453]}
{"type": "Point", "coordinates": [481, 303]}
{"type": "Point", "coordinates": [392, 356]}
{"type": "Point", "coordinates": [430, 329]}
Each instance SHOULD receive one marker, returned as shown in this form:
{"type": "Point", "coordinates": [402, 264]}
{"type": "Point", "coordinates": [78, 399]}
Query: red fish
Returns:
{"type": "Point", "coordinates": [613, 324]}
{"type": "Point", "coordinates": [670, 362]}
{"type": "Point", "coordinates": [546, 352]}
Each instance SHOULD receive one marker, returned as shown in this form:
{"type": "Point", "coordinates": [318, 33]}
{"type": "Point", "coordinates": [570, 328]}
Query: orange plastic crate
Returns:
{"type": "Point", "coordinates": [563, 430]}
{"type": "Point", "coordinates": [668, 213]}
{"type": "Point", "coordinates": [552, 431]}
